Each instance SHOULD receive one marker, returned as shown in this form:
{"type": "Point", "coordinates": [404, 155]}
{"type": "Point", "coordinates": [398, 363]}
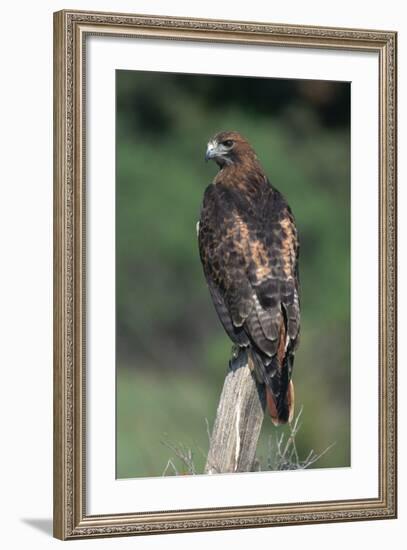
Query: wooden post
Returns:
{"type": "Point", "coordinates": [238, 420]}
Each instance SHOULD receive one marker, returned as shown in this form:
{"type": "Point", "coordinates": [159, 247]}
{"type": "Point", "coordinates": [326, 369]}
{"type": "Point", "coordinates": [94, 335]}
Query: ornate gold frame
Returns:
{"type": "Point", "coordinates": [70, 31]}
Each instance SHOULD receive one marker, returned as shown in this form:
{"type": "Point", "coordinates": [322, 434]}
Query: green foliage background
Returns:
{"type": "Point", "coordinates": [172, 353]}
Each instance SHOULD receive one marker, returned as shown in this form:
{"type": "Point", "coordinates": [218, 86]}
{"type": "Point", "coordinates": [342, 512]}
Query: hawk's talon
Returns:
{"type": "Point", "coordinates": [235, 351]}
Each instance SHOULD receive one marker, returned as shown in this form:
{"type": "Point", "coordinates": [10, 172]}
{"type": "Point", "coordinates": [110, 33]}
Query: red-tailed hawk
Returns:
{"type": "Point", "coordinates": [249, 250]}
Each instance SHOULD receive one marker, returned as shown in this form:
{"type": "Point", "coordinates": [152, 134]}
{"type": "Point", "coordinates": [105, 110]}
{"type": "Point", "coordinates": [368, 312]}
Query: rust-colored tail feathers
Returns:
{"type": "Point", "coordinates": [283, 412]}
{"type": "Point", "coordinates": [279, 388]}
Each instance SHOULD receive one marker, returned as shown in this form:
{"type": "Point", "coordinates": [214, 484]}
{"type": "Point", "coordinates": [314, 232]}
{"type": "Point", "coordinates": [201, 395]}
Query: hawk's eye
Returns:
{"type": "Point", "coordinates": [227, 143]}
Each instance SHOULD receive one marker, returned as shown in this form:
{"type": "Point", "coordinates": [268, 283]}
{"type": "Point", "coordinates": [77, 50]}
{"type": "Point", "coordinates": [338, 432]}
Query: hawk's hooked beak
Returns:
{"type": "Point", "coordinates": [210, 151]}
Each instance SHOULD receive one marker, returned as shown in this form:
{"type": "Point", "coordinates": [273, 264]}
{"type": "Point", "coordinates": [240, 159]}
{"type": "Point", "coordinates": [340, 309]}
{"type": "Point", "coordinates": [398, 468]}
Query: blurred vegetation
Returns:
{"type": "Point", "coordinates": [172, 353]}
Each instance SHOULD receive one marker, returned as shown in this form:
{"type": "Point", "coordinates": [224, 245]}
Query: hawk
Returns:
{"type": "Point", "coordinates": [249, 250]}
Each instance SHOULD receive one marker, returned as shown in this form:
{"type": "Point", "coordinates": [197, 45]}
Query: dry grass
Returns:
{"type": "Point", "coordinates": [282, 455]}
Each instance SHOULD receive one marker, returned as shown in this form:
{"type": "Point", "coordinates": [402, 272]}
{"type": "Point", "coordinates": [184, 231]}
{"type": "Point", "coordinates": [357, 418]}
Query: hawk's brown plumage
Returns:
{"type": "Point", "coordinates": [249, 250]}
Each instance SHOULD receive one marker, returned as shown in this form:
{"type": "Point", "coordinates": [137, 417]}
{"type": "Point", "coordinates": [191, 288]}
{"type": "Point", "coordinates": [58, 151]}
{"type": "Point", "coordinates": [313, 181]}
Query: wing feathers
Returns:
{"type": "Point", "coordinates": [252, 261]}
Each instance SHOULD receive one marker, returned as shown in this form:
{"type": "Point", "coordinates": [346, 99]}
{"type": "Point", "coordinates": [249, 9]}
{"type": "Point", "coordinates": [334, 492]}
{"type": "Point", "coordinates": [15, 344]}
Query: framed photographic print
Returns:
{"type": "Point", "coordinates": [225, 274]}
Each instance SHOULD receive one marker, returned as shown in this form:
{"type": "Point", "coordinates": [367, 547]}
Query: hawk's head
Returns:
{"type": "Point", "coordinates": [227, 148]}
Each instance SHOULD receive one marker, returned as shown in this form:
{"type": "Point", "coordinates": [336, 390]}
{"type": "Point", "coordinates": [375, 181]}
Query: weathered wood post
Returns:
{"type": "Point", "coordinates": [238, 420]}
